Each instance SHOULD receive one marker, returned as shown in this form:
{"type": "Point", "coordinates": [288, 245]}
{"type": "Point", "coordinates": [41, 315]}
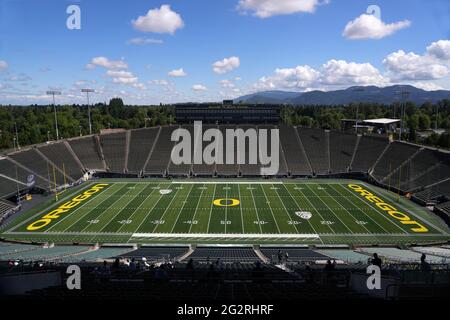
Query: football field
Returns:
{"type": "Point", "coordinates": [164, 211]}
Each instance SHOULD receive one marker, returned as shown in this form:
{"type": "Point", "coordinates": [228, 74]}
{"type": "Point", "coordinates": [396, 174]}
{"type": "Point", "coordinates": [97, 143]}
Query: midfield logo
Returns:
{"type": "Point", "coordinates": [255, 141]}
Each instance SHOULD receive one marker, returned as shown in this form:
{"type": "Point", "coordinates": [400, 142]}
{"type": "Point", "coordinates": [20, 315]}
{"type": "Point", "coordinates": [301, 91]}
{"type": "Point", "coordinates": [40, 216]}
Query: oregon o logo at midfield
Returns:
{"type": "Point", "coordinates": [226, 202]}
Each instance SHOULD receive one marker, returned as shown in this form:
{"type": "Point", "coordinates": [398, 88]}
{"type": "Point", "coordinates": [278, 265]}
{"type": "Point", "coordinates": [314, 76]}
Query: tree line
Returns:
{"type": "Point", "coordinates": [36, 124]}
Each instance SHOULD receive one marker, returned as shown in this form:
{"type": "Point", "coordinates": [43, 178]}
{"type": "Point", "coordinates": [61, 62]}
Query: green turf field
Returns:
{"type": "Point", "coordinates": [311, 211]}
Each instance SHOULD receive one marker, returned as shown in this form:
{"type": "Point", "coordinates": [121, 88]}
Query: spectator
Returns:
{"type": "Point", "coordinates": [376, 261]}
{"type": "Point", "coordinates": [424, 266]}
{"type": "Point", "coordinates": [330, 266]}
{"type": "Point", "coordinates": [286, 257]}
{"type": "Point", "coordinates": [190, 264]}
{"type": "Point", "coordinates": [280, 256]}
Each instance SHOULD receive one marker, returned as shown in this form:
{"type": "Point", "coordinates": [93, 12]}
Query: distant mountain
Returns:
{"type": "Point", "coordinates": [373, 94]}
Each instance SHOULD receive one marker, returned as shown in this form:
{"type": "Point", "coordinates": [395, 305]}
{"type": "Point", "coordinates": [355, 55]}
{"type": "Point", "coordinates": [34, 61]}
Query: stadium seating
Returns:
{"type": "Point", "coordinates": [348, 256]}
{"type": "Point", "coordinates": [184, 169]}
{"type": "Point", "coordinates": [141, 144]}
{"type": "Point", "coordinates": [34, 253]}
{"type": "Point", "coordinates": [156, 253]}
{"type": "Point", "coordinates": [232, 254]}
{"type": "Point", "coordinates": [368, 151]}
{"type": "Point", "coordinates": [31, 159]}
{"type": "Point", "coordinates": [316, 144]}
{"type": "Point", "coordinates": [160, 157]}
{"type": "Point", "coordinates": [398, 255]}
{"type": "Point", "coordinates": [294, 153]}
{"type": "Point", "coordinates": [58, 154]}
{"type": "Point", "coordinates": [205, 169]}
{"type": "Point", "coordinates": [99, 254]}
{"type": "Point", "coordinates": [418, 168]}
{"type": "Point", "coordinates": [228, 169]}
{"type": "Point", "coordinates": [294, 254]}
{"type": "Point", "coordinates": [342, 148]}
{"type": "Point", "coordinates": [114, 149]}
{"type": "Point", "coordinates": [16, 172]}
{"type": "Point", "coordinates": [392, 159]}
{"type": "Point", "coordinates": [435, 251]}
{"type": "Point", "coordinates": [9, 187]}
{"type": "Point", "coordinates": [88, 152]}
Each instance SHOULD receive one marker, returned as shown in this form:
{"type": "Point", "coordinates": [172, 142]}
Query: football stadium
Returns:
{"type": "Point", "coordinates": [119, 195]}
{"type": "Point", "coordinates": [204, 153]}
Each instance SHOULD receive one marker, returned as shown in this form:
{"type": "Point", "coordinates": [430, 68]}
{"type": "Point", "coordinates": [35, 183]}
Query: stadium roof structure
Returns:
{"type": "Point", "coordinates": [382, 121]}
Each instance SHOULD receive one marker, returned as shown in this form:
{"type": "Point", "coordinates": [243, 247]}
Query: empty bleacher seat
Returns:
{"type": "Point", "coordinates": [141, 143]}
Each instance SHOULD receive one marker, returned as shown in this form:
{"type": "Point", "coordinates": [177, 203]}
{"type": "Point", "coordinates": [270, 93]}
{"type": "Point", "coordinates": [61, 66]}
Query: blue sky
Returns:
{"type": "Point", "coordinates": [295, 45]}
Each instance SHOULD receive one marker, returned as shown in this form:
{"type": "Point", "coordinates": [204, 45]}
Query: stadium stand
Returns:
{"type": "Point", "coordinates": [228, 169]}
{"type": "Point", "coordinates": [156, 253]}
{"type": "Point", "coordinates": [88, 152]}
{"type": "Point", "coordinates": [226, 254]}
{"type": "Point", "coordinates": [435, 251]}
{"type": "Point", "coordinates": [294, 254]}
{"type": "Point", "coordinates": [398, 255]}
{"type": "Point", "coordinates": [294, 153]}
{"type": "Point", "coordinates": [37, 253]}
{"type": "Point", "coordinates": [342, 148]}
{"type": "Point", "coordinates": [31, 159]}
{"type": "Point", "coordinates": [205, 169]}
{"type": "Point", "coordinates": [430, 176]}
{"type": "Point", "coordinates": [416, 167]}
{"type": "Point", "coordinates": [160, 156]}
{"type": "Point", "coordinates": [141, 144]}
{"type": "Point", "coordinates": [99, 254]}
{"type": "Point", "coordinates": [9, 187]}
{"type": "Point", "coordinates": [17, 172]}
{"type": "Point", "coordinates": [114, 150]}
{"type": "Point", "coordinates": [397, 154]}
{"type": "Point", "coordinates": [368, 150]}
{"type": "Point", "coordinates": [58, 154]}
{"type": "Point", "coordinates": [184, 169]}
{"type": "Point", "coordinates": [348, 256]}
{"type": "Point", "coordinates": [315, 142]}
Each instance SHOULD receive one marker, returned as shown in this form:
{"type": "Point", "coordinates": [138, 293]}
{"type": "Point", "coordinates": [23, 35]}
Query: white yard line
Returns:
{"type": "Point", "coordinates": [340, 205]}
{"type": "Point", "coordinates": [349, 201]}
{"type": "Point", "coordinates": [256, 209]}
{"type": "Point", "coordinates": [184, 204]}
{"type": "Point", "coordinates": [195, 213]}
{"type": "Point", "coordinates": [138, 208]}
{"type": "Point", "coordinates": [240, 207]}
{"type": "Point", "coordinates": [310, 203]}
{"type": "Point", "coordinates": [212, 204]}
{"type": "Point", "coordinates": [150, 211]}
{"type": "Point", "coordinates": [295, 200]}
{"type": "Point", "coordinates": [330, 209]}
{"type": "Point", "coordinates": [83, 204]}
{"type": "Point", "coordinates": [270, 207]}
{"type": "Point", "coordinates": [227, 235]}
{"type": "Point", "coordinates": [376, 208]}
{"type": "Point", "coordinates": [99, 217]}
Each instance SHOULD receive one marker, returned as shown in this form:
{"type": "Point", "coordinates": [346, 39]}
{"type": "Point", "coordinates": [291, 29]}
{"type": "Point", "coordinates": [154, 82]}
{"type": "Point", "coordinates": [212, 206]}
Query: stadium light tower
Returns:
{"type": "Point", "coordinates": [54, 93]}
{"type": "Point", "coordinates": [404, 94]}
{"type": "Point", "coordinates": [358, 90]}
{"type": "Point", "coordinates": [88, 90]}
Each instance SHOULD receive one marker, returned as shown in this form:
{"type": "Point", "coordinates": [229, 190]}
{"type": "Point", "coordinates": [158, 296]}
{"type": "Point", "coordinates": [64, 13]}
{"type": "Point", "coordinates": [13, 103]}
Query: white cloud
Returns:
{"type": "Point", "coordinates": [428, 86]}
{"type": "Point", "coordinates": [368, 26]}
{"type": "Point", "coordinates": [199, 87]}
{"type": "Point", "coordinates": [228, 84]}
{"type": "Point", "coordinates": [177, 73]}
{"type": "Point", "coordinates": [268, 8]}
{"type": "Point", "coordinates": [106, 63]}
{"type": "Point", "coordinates": [411, 66]}
{"type": "Point", "coordinates": [21, 77]}
{"type": "Point", "coordinates": [159, 82]}
{"type": "Point", "coordinates": [440, 50]}
{"type": "Point", "coordinates": [334, 73]}
{"type": "Point", "coordinates": [3, 65]}
{"type": "Point", "coordinates": [144, 41]}
{"type": "Point", "coordinates": [340, 72]}
{"type": "Point", "coordinates": [162, 20]}
{"type": "Point", "coordinates": [226, 65]}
